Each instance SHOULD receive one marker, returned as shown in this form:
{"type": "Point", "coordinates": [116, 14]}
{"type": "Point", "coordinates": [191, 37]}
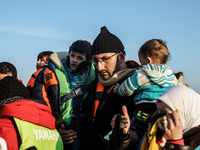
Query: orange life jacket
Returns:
{"type": "Point", "coordinates": [31, 81]}
{"type": "Point", "coordinates": [99, 90]}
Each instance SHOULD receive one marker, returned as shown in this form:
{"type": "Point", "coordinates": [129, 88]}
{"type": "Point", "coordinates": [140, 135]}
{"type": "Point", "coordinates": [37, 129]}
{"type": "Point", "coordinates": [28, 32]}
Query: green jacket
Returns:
{"type": "Point", "coordinates": [57, 59]}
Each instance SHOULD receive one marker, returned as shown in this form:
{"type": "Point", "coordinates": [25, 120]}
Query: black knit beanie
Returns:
{"type": "Point", "coordinates": [106, 42]}
{"type": "Point", "coordinates": [11, 87]}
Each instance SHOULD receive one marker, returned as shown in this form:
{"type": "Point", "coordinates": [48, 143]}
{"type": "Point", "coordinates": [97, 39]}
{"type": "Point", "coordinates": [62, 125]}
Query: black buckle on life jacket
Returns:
{"type": "Point", "coordinates": [98, 95]}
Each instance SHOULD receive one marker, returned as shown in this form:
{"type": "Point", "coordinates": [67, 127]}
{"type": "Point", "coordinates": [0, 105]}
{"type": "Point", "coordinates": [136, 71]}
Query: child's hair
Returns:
{"type": "Point", "coordinates": [43, 54]}
{"type": "Point", "coordinates": [6, 67]}
{"type": "Point", "coordinates": [157, 49]}
{"type": "Point", "coordinates": [82, 46]}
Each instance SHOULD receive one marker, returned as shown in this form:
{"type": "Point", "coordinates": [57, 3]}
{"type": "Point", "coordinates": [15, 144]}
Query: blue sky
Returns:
{"type": "Point", "coordinates": [29, 27]}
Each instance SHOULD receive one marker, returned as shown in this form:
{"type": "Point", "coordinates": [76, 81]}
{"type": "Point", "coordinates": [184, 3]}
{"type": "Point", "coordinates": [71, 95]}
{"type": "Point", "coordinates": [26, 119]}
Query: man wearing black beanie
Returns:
{"type": "Point", "coordinates": [101, 103]}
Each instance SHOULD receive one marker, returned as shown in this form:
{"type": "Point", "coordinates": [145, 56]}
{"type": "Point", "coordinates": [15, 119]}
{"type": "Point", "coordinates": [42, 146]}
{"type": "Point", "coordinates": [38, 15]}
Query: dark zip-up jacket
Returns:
{"type": "Point", "coordinates": [98, 126]}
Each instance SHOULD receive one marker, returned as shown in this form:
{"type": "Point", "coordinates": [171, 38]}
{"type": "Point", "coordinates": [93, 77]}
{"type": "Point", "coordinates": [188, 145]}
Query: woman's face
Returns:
{"type": "Point", "coordinates": [162, 105]}
{"type": "Point", "coordinates": [75, 59]}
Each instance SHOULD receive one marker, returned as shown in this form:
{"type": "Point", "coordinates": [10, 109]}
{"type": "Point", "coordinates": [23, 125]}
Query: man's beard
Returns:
{"type": "Point", "coordinates": [117, 68]}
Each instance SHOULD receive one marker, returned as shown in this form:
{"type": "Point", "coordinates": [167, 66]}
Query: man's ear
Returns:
{"type": "Point", "coordinates": [121, 57]}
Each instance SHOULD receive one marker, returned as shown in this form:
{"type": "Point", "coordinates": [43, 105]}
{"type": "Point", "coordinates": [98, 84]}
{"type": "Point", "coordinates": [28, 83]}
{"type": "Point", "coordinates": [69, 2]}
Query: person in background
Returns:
{"type": "Point", "coordinates": [42, 62]}
{"type": "Point", "coordinates": [20, 126]}
{"type": "Point", "coordinates": [180, 77]}
{"type": "Point", "coordinates": [147, 84]}
{"type": "Point", "coordinates": [65, 81]}
{"type": "Point", "coordinates": [102, 103]}
{"type": "Point", "coordinates": [43, 59]}
{"type": "Point", "coordinates": [7, 69]}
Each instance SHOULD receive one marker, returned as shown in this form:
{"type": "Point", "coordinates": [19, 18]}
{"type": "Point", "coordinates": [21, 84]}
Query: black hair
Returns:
{"type": "Point", "coordinates": [82, 46]}
{"type": "Point", "coordinates": [11, 87]}
{"type": "Point", "coordinates": [6, 67]}
{"type": "Point", "coordinates": [44, 53]}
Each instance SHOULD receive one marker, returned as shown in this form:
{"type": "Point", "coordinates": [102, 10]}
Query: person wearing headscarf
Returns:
{"type": "Point", "coordinates": [187, 102]}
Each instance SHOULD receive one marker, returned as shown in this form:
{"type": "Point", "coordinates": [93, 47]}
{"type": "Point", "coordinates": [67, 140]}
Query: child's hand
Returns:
{"type": "Point", "coordinates": [114, 89]}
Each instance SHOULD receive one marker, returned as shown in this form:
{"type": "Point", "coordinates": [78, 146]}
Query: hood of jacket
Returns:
{"type": "Point", "coordinates": [31, 111]}
{"type": "Point", "coordinates": [160, 74]}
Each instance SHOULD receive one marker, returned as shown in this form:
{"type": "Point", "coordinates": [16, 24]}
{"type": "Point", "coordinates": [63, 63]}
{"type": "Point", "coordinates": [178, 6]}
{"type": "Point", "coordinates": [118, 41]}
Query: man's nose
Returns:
{"type": "Point", "coordinates": [100, 66]}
